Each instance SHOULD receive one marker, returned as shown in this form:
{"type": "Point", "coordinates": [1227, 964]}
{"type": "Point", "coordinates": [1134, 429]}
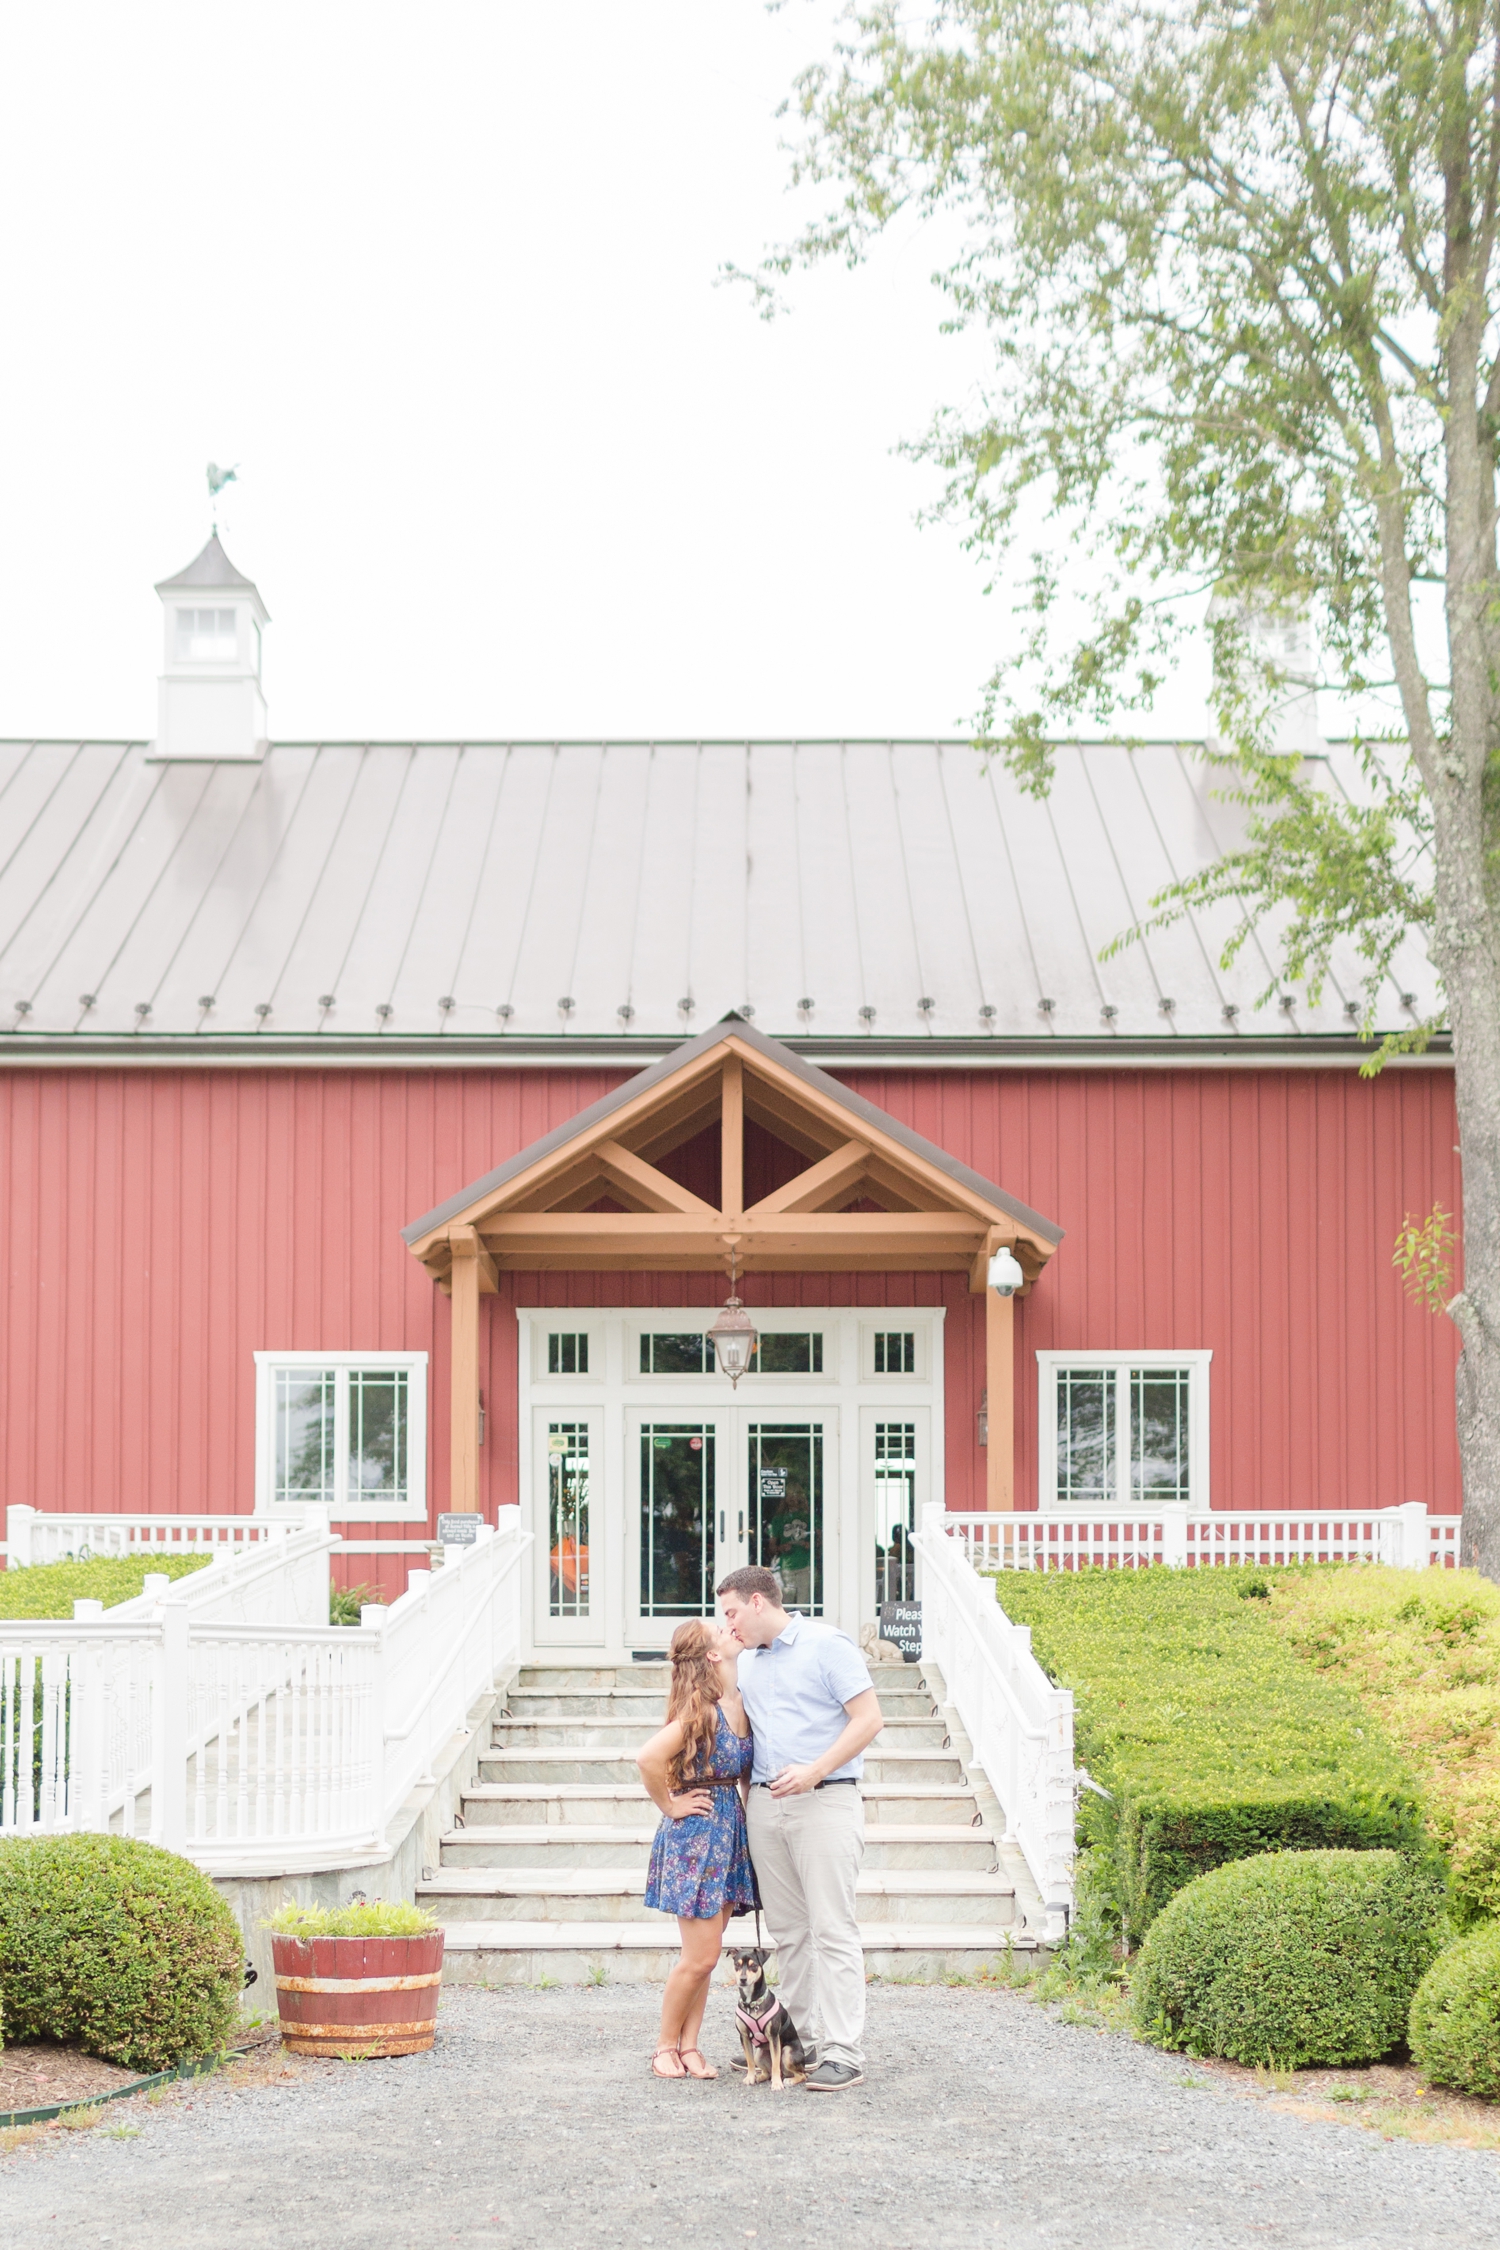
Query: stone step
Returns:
{"type": "Point", "coordinates": [562, 1678]}
{"type": "Point", "coordinates": [611, 1894]}
{"type": "Point", "coordinates": [607, 1732]}
{"type": "Point", "coordinates": [501, 1802]}
{"type": "Point", "coordinates": [624, 1703]}
{"type": "Point", "coordinates": [926, 1765]}
{"type": "Point", "coordinates": [576, 1844]}
{"type": "Point", "coordinates": [634, 1953]}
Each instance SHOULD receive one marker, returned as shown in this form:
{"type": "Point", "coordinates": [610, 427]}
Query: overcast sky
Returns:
{"type": "Point", "coordinates": [441, 281]}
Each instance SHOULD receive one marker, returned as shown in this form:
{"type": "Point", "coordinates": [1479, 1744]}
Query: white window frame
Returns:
{"type": "Point", "coordinates": [363, 1510]}
{"type": "Point", "coordinates": [1126, 1502]}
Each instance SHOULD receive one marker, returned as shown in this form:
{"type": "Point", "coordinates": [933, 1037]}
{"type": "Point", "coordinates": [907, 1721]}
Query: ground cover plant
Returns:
{"type": "Point", "coordinates": [1291, 1958]}
{"type": "Point", "coordinates": [1214, 1738]}
{"type": "Point", "coordinates": [1422, 1652]}
{"type": "Point", "coordinates": [373, 1917]}
{"type": "Point", "coordinates": [117, 1947]}
{"type": "Point", "coordinates": [1455, 2016]}
{"type": "Point", "coordinates": [50, 1589]}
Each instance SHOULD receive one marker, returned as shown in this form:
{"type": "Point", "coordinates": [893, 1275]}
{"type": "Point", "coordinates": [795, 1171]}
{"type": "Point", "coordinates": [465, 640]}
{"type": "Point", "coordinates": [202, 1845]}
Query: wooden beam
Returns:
{"type": "Point", "coordinates": [825, 1185]}
{"type": "Point", "coordinates": [812, 1137]}
{"type": "Point", "coordinates": [652, 1188]}
{"type": "Point", "coordinates": [732, 1138]}
{"type": "Point", "coordinates": [679, 1120]}
{"type": "Point", "coordinates": [464, 1242]}
{"type": "Point", "coordinates": [1000, 1382]}
{"type": "Point", "coordinates": [463, 1464]}
{"type": "Point", "coordinates": [853, 1240]}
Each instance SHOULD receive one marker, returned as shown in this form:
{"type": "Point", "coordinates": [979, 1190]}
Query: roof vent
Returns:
{"type": "Point", "coordinates": [209, 700]}
{"type": "Point", "coordinates": [143, 1009]}
{"type": "Point", "coordinates": [1045, 1007]}
{"type": "Point", "coordinates": [746, 1010]}
{"type": "Point", "coordinates": [1231, 1010]}
{"type": "Point", "coordinates": [867, 1015]}
{"type": "Point", "coordinates": [685, 1006]}
{"type": "Point", "coordinates": [505, 1011]}
{"type": "Point", "coordinates": [567, 1004]}
{"type": "Point", "coordinates": [88, 999]}
{"type": "Point", "coordinates": [1351, 1010]}
{"type": "Point", "coordinates": [447, 1003]}
{"type": "Point", "coordinates": [805, 1006]}
{"type": "Point", "coordinates": [262, 1008]}
{"type": "Point", "coordinates": [1286, 1003]}
{"type": "Point", "coordinates": [1109, 1011]}
{"type": "Point", "coordinates": [383, 1009]}
{"type": "Point", "coordinates": [927, 1004]}
{"type": "Point", "coordinates": [625, 1012]}
{"type": "Point", "coordinates": [23, 1007]}
{"type": "Point", "coordinates": [988, 1012]}
{"type": "Point", "coordinates": [205, 1001]}
{"type": "Point", "coordinates": [1166, 1006]}
{"type": "Point", "coordinates": [327, 999]}
{"type": "Point", "coordinates": [1409, 1001]}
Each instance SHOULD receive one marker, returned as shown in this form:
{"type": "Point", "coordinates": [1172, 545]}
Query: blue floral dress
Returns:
{"type": "Point", "coordinates": [702, 1864]}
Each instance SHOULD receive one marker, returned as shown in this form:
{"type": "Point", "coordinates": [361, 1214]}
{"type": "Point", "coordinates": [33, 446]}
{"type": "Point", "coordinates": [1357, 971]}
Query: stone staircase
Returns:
{"type": "Point", "coordinates": [545, 1878]}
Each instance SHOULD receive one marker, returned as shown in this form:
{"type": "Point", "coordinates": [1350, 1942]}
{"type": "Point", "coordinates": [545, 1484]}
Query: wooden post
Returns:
{"type": "Point", "coordinates": [732, 1141]}
{"type": "Point", "coordinates": [473, 1271]}
{"type": "Point", "coordinates": [1000, 1378]}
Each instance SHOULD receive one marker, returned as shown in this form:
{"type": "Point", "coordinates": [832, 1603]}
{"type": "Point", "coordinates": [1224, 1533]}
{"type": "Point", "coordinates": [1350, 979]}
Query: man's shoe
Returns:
{"type": "Point", "coordinates": [833, 2077]}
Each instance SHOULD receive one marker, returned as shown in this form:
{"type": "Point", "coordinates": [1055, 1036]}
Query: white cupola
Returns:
{"type": "Point", "coordinates": [210, 701]}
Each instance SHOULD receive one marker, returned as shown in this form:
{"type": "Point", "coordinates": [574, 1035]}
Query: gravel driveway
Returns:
{"type": "Point", "coordinates": [534, 2123]}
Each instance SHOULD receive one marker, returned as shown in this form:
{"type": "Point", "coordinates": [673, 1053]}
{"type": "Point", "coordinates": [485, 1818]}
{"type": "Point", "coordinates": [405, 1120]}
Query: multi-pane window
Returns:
{"type": "Point", "coordinates": [1126, 1433]}
{"type": "Point", "coordinates": [788, 1352]}
{"type": "Point", "coordinates": [895, 1352]}
{"type": "Point", "coordinates": [895, 1511]}
{"type": "Point", "coordinates": [568, 1354]}
{"type": "Point", "coordinates": [568, 1518]}
{"type": "Point", "coordinates": [205, 636]}
{"type": "Point", "coordinates": [342, 1431]}
{"type": "Point", "coordinates": [676, 1352]}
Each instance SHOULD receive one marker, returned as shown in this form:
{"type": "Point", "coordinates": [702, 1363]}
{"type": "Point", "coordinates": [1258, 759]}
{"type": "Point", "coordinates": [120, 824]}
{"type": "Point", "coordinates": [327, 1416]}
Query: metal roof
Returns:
{"type": "Point", "coordinates": [541, 898]}
{"type": "Point", "coordinates": [209, 567]}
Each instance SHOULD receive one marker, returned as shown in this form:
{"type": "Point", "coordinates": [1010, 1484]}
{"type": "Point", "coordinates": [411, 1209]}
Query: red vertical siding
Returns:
{"type": "Point", "coordinates": [160, 1227]}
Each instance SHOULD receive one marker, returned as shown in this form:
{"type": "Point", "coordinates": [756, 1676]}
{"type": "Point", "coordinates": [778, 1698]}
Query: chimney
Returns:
{"type": "Point", "coordinates": [1280, 654]}
{"type": "Point", "coordinates": [210, 703]}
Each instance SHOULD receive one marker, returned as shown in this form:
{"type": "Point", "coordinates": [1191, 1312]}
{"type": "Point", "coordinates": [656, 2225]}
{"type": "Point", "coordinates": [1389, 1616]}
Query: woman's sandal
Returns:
{"type": "Point", "coordinates": [656, 2058]}
{"type": "Point", "coordinates": [707, 2071]}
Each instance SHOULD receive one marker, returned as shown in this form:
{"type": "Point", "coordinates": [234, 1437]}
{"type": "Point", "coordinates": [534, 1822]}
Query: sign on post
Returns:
{"type": "Point", "coordinates": [459, 1530]}
{"type": "Point", "coordinates": [901, 1623]}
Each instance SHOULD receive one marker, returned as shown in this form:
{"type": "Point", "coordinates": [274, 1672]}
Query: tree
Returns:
{"type": "Point", "coordinates": [1237, 264]}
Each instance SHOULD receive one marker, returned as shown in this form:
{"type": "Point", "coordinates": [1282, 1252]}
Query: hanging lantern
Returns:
{"type": "Point", "coordinates": [733, 1335]}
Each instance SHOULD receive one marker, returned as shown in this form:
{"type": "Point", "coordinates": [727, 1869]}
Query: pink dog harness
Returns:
{"type": "Point", "coordinates": [756, 2025]}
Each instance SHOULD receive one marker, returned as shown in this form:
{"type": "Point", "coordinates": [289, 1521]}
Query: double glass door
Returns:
{"type": "Point", "coordinates": [710, 1492]}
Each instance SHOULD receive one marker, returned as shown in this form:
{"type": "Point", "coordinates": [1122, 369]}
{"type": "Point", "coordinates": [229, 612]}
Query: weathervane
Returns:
{"type": "Point", "coordinates": [217, 479]}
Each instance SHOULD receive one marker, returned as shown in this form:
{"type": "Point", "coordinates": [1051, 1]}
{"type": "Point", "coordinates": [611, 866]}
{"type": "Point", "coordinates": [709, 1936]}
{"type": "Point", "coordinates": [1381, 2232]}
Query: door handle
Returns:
{"type": "Point", "coordinates": [721, 1527]}
{"type": "Point", "coordinates": [742, 1523]}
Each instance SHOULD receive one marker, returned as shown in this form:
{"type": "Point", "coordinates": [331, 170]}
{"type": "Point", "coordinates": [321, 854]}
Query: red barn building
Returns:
{"type": "Point", "coordinates": [380, 1124]}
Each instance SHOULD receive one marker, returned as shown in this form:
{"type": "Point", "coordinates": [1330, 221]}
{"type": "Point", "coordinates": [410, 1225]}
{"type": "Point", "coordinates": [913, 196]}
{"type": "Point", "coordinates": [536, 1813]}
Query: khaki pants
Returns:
{"type": "Point", "coordinates": [807, 1852]}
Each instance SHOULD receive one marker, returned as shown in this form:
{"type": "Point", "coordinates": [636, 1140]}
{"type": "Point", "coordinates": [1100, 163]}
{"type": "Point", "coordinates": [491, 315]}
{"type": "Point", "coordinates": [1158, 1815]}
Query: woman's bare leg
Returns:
{"type": "Point", "coordinates": [686, 1993]}
{"type": "Point", "coordinates": [693, 2020]}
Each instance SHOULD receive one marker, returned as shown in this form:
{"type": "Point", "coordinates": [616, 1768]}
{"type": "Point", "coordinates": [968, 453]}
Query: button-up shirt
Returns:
{"type": "Point", "coordinates": [795, 1691]}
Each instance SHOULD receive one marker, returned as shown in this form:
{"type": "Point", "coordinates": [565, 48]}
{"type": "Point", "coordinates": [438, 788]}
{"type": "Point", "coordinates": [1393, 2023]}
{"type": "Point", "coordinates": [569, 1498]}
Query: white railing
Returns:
{"type": "Point", "coordinates": [32, 1537]}
{"type": "Point", "coordinates": [1020, 1725]}
{"type": "Point", "coordinates": [1055, 1539]}
{"type": "Point", "coordinates": [210, 1717]}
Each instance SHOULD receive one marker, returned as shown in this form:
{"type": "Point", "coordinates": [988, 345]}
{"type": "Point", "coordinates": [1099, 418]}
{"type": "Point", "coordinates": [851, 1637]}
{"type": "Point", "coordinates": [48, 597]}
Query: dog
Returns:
{"type": "Point", "coordinates": [774, 2054]}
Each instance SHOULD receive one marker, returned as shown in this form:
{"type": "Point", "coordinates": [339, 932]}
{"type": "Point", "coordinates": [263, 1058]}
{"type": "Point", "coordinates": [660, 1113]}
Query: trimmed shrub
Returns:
{"type": "Point", "coordinates": [117, 1946]}
{"type": "Point", "coordinates": [1214, 1738]}
{"type": "Point", "coordinates": [1455, 2017]}
{"type": "Point", "coordinates": [1422, 1653]}
{"type": "Point", "coordinates": [1292, 1958]}
{"type": "Point", "coordinates": [50, 1589]}
{"type": "Point", "coordinates": [371, 1917]}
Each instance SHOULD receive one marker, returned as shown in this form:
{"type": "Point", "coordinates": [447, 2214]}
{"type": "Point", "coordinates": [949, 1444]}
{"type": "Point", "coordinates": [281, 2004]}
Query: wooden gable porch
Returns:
{"type": "Point", "coordinates": [866, 1195]}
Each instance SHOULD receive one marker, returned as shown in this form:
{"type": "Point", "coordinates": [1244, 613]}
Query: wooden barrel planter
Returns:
{"type": "Point", "coordinates": [358, 1995]}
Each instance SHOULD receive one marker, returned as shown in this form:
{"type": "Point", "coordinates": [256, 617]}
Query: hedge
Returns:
{"type": "Point", "coordinates": [1294, 1958]}
{"type": "Point", "coordinates": [115, 1946]}
{"type": "Point", "coordinates": [1455, 2017]}
{"type": "Point", "coordinates": [50, 1589]}
{"type": "Point", "coordinates": [1422, 1653]}
{"type": "Point", "coordinates": [1216, 1741]}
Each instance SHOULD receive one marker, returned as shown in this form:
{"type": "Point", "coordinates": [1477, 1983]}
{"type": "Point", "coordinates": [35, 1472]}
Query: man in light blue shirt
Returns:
{"type": "Point", "coordinates": [814, 1712]}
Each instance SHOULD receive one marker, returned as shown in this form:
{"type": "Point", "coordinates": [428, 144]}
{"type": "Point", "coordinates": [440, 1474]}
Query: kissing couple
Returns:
{"type": "Point", "coordinates": [756, 1774]}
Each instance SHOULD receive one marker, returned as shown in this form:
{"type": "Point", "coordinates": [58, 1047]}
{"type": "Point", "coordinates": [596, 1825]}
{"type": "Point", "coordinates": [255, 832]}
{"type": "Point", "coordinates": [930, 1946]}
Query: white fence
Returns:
{"type": "Point", "coordinates": [31, 1537]}
{"type": "Point", "coordinates": [1020, 1725]}
{"type": "Point", "coordinates": [216, 1716]}
{"type": "Point", "coordinates": [1407, 1537]}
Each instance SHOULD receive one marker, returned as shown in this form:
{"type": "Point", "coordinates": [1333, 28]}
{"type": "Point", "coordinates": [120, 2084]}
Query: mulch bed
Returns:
{"type": "Point", "coordinates": [42, 2072]}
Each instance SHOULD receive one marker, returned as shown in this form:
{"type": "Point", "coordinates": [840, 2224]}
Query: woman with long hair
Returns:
{"type": "Point", "coordinates": [696, 1771]}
